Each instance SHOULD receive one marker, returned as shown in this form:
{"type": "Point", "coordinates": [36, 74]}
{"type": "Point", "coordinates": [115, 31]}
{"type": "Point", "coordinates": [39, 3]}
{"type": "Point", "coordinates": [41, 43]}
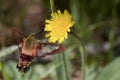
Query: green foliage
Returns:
{"type": "Point", "coordinates": [111, 71]}
{"type": "Point", "coordinates": [36, 72]}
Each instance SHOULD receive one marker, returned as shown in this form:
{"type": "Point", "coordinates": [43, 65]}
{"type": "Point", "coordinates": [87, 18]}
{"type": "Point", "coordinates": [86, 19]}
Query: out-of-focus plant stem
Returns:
{"type": "Point", "coordinates": [82, 54]}
{"type": "Point", "coordinates": [112, 31]}
{"type": "Point", "coordinates": [76, 9]}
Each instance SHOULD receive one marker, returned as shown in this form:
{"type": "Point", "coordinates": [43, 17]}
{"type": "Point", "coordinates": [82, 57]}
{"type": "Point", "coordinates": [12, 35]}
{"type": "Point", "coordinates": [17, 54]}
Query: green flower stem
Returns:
{"type": "Point", "coordinates": [59, 69]}
{"type": "Point", "coordinates": [83, 54]}
{"type": "Point", "coordinates": [52, 5]}
{"type": "Point", "coordinates": [83, 62]}
{"type": "Point", "coordinates": [57, 58]}
{"type": "Point", "coordinates": [65, 67]}
{"type": "Point", "coordinates": [63, 58]}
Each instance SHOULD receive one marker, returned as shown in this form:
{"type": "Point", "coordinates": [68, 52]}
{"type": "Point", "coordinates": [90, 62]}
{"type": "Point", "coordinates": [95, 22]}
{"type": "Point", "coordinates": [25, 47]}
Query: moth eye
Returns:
{"type": "Point", "coordinates": [26, 69]}
{"type": "Point", "coordinates": [17, 66]}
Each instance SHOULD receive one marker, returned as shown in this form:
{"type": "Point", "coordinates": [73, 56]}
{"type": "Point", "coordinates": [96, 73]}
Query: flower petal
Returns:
{"type": "Point", "coordinates": [59, 26]}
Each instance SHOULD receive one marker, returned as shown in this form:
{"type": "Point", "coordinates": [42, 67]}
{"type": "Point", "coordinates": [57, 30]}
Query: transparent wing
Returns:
{"type": "Point", "coordinates": [50, 49]}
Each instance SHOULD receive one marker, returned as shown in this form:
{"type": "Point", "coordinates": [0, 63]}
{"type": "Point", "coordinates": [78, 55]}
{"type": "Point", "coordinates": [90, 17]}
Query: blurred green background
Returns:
{"type": "Point", "coordinates": [96, 23]}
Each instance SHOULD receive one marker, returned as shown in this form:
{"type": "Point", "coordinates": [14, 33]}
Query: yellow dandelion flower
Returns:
{"type": "Point", "coordinates": [58, 26]}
